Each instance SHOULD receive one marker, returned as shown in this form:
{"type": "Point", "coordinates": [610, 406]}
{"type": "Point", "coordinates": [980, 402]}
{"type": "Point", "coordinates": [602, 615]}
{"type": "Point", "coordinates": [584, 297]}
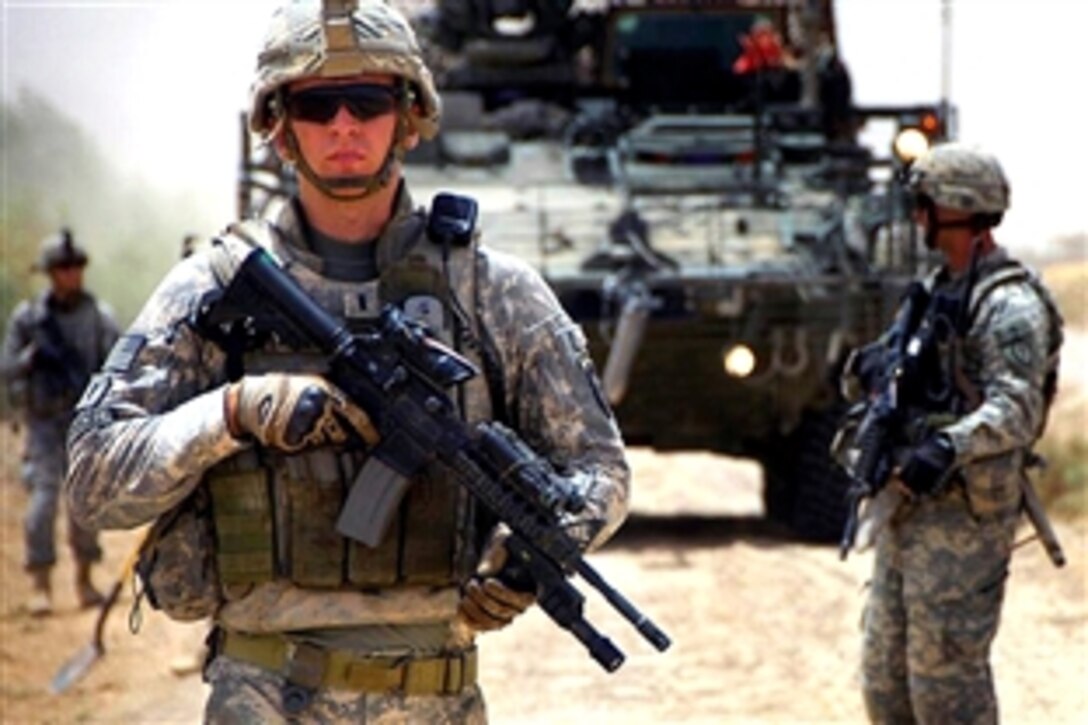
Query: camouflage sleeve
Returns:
{"type": "Point", "coordinates": [151, 422]}
{"type": "Point", "coordinates": [1010, 337]}
{"type": "Point", "coordinates": [14, 354]}
{"type": "Point", "coordinates": [553, 394]}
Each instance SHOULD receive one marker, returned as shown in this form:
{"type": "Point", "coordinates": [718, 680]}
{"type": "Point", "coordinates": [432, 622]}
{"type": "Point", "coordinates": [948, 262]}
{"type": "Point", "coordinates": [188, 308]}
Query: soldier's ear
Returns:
{"type": "Point", "coordinates": [410, 141]}
{"type": "Point", "coordinates": [279, 144]}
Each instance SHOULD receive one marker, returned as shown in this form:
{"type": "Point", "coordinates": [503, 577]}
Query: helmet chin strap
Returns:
{"type": "Point", "coordinates": [368, 184]}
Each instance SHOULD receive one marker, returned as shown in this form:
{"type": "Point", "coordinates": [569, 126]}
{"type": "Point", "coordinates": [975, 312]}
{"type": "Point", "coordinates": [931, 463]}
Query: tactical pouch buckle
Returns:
{"type": "Point", "coordinates": [304, 670]}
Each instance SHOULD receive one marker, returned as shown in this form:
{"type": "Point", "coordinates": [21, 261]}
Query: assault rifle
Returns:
{"type": "Point", "coordinates": [909, 388]}
{"type": "Point", "coordinates": [399, 376]}
{"type": "Point", "coordinates": [63, 370]}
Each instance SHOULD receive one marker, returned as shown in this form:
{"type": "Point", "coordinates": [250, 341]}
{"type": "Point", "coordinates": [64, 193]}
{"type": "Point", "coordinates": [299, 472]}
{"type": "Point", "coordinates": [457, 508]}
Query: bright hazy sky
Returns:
{"type": "Point", "coordinates": [160, 83]}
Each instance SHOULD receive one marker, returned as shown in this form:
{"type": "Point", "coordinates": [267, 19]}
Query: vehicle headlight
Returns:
{"type": "Point", "coordinates": [910, 143]}
{"type": "Point", "coordinates": [739, 361]}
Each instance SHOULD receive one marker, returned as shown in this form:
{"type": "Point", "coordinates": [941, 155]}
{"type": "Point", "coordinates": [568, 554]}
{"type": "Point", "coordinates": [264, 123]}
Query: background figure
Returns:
{"type": "Point", "coordinates": [768, 65]}
{"type": "Point", "coordinates": [52, 344]}
{"type": "Point", "coordinates": [983, 335]}
{"type": "Point", "coordinates": [188, 245]}
{"type": "Point", "coordinates": [244, 455]}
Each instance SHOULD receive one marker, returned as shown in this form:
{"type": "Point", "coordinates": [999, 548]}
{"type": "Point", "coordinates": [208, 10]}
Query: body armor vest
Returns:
{"type": "Point", "coordinates": [275, 514]}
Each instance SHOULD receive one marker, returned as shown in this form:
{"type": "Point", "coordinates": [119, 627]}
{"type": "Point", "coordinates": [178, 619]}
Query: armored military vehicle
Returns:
{"type": "Point", "coordinates": [689, 179]}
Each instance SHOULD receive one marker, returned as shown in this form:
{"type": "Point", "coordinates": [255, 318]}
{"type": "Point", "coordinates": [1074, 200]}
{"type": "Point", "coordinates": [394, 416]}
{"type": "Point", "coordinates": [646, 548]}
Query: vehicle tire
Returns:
{"type": "Point", "coordinates": [779, 492]}
{"type": "Point", "coordinates": [819, 507]}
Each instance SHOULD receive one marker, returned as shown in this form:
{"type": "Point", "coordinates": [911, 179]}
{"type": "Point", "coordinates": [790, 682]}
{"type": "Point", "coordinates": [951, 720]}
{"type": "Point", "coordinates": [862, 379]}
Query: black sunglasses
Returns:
{"type": "Point", "coordinates": [364, 101]}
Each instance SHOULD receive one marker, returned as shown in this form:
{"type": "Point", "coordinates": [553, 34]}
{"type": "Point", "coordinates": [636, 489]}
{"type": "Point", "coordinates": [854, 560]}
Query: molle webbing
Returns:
{"type": "Point", "coordinates": [276, 515]}
{"type": "Point", "coordinates": [277, 519]}
{"type": "Point", "coordinates": [242, 511]}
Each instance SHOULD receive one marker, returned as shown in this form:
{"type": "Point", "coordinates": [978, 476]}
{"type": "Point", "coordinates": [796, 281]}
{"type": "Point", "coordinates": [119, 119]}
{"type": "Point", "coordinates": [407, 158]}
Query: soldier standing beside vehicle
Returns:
{"type": "Point", "coordinates": [53, 343]}
{"type": "Point", "coordinates": [943, 558]}
{"type": "Point", "coordinates": [246, 478]}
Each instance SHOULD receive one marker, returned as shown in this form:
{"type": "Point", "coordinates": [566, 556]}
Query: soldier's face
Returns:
{"type": "Point", "coordinates": [66, 280]}
{"type": "Point", "coordinates": [944, 229]}
{"type": "Point", "coordinates": [343, 145]}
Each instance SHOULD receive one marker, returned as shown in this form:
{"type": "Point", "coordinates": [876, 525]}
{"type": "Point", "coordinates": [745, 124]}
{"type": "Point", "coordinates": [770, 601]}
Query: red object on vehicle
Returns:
{"type": "Point", "coordinates": [762, 49]}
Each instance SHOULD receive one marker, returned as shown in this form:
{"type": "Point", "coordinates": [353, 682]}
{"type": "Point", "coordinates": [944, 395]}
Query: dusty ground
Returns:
{"type": "Point", "coordinates": [764, 629]}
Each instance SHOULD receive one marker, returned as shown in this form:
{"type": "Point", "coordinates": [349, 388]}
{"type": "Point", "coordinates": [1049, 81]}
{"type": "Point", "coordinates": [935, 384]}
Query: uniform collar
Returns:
{"type": "Point", "coordinates": [403, 230]}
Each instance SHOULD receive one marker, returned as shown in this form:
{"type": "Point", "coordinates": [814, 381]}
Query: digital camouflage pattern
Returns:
{"type": "Point", "coordinates": [961, 177]}
{"type": "Point", "coordinates": [941, 563]}
{"type": "Point", "coordinates": [933, 610]}
{"type": "Point", "coordinates": [151, 423]}
{"type": "Point", "coordinates": [309, 39]}
{"type": "Point", "coordinates": [243, 693]}
{"type": "Point", "coordinates": [47, 396]}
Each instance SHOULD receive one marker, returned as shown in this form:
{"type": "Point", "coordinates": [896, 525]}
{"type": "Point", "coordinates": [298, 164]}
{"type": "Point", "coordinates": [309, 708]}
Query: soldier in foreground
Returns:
{"type": "Point", "coordinates": [982, 335]}
{"type": "Point", "coordinates": [53, 343]}
{"type": "Point", "coordinates": [246, 474]}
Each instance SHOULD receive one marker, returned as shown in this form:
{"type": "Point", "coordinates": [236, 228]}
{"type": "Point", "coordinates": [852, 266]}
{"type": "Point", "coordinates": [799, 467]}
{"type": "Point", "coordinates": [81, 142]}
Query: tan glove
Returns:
{"type": "Point", "coordinates": [487, 603]}
{"type": "Point", "coordinates": [293, 412]}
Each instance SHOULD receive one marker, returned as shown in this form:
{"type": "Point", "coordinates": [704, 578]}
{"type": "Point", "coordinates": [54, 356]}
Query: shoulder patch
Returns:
{"type": "Point", "coordinates": [124, 353]}
{"type": "Point", "coordinates": [1014, 340]}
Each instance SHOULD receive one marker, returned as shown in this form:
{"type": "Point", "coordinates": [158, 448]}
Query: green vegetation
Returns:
{"type": "Point", "coordinates": [56, 176]}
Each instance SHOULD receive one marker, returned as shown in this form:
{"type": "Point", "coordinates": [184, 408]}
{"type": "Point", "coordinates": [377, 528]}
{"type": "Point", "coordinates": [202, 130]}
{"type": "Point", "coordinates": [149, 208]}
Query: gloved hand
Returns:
{"type": "Point", "coordinates": [488, 604]}
{"type": "Point", "coordinates": [928, 464]}
{"type": "Point", "coordinates": [292, 412]}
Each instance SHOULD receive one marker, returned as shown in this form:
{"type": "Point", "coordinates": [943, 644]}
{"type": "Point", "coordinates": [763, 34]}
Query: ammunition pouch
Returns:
{"type": "Point", "coordinates": [177, 566]}
{"type": "Point", "coordinates": [274, 517]}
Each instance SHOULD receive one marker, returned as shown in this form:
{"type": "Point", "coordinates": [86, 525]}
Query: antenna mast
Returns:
{"type": "Point", "coordinates": [946, 67]}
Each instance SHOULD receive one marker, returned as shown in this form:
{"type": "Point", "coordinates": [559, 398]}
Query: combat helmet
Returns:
{"type": "Point", "coordinates": [339, 39]}
{"type": "Point", "coordinates": [59, 250]}
{"type": "Point", "coordinates": [960, 177]}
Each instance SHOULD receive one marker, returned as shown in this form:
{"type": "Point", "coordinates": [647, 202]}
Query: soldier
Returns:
{"type": "Point", "coordinates": [52, 344]}
{"type": "Point", "coordinates": [309, 624]}
{"type": "Point", "coordinates": [942, 560]}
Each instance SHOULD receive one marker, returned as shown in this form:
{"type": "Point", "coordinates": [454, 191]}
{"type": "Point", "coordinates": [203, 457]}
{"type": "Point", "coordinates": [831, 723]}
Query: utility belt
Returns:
{"type": "Point", "coordinates": [309, 667]}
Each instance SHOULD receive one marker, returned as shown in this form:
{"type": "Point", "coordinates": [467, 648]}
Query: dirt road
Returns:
{"type": "Point", "coordinates": [764, 630]}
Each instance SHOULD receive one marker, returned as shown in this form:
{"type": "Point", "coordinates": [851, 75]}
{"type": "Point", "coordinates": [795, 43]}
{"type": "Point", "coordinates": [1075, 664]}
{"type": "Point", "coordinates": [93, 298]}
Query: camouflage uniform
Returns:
{"type": "Point", "coordinates": [46, 385]}
{"type": "Point", "coordinates": [941, 563]}
{"type": "Point", "coordinates": [311, 624]}
{"type": "Point", "coordinates": [151, 426]}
